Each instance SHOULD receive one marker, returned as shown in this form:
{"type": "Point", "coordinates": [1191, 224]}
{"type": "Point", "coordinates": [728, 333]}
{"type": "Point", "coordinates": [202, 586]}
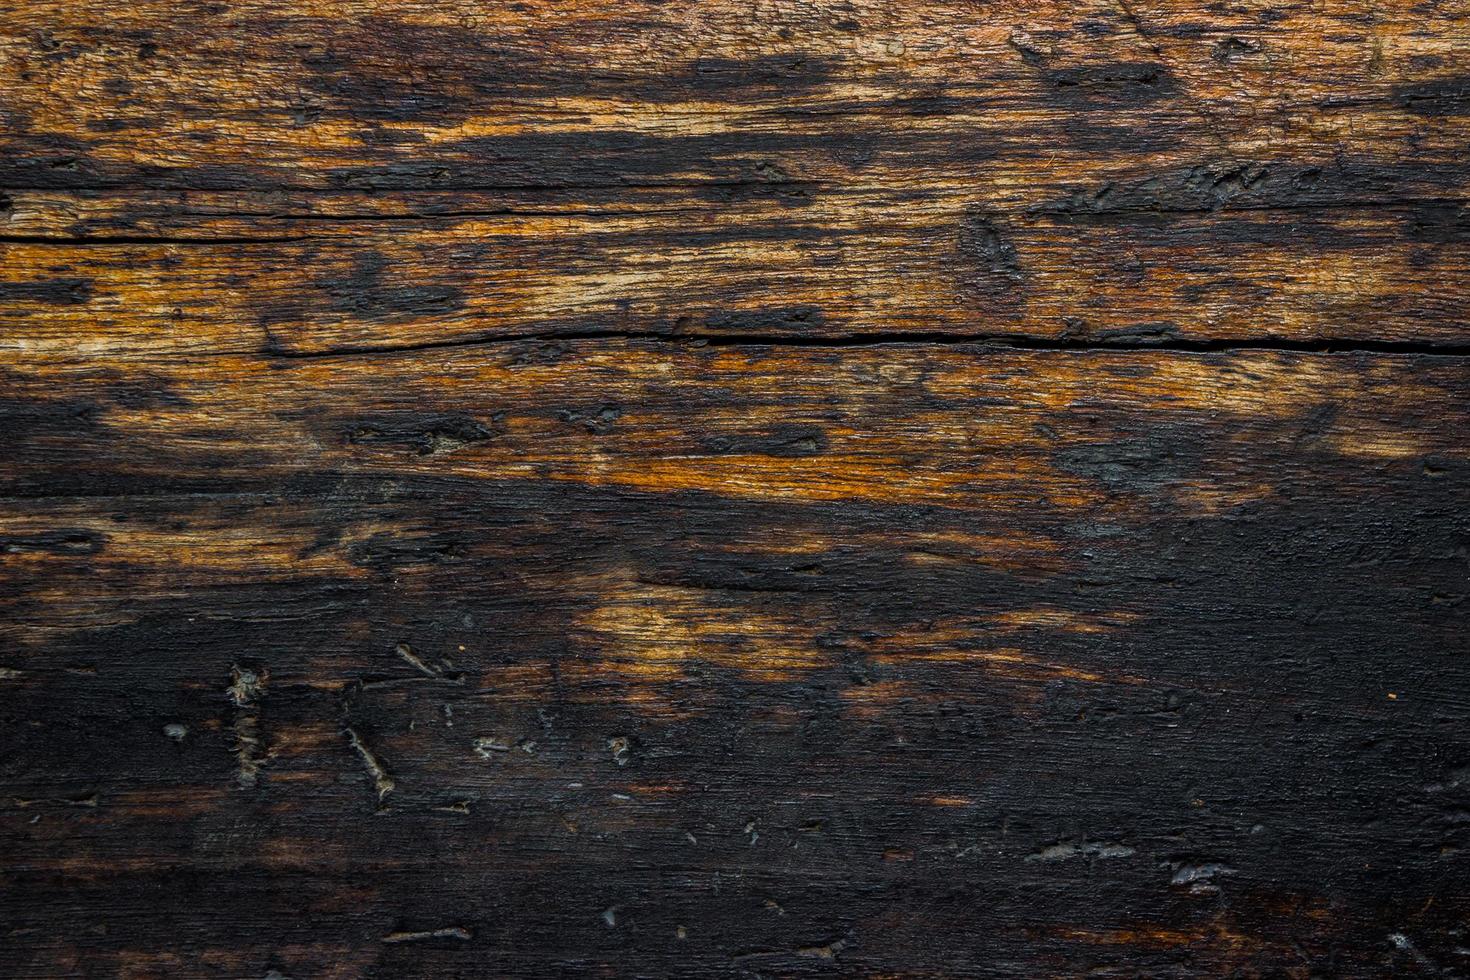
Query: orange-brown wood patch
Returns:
{"type": "Point", "coordinates": [734, 489]}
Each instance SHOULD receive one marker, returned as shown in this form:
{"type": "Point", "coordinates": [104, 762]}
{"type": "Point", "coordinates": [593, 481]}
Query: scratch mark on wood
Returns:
{"type": "Point", "coordinates": [447, 932]}
{"type": "Point", "coordinates": [247, 687]}
{"type": "Point", "coordinates": [382, 781]}
{"type": "Point", "coordinates": [407, 653]}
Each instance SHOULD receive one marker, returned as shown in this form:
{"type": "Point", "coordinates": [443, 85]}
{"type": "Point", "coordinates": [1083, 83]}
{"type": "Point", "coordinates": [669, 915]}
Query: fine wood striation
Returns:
{"type": "Point", "coordinates": [734, 489]}
{"type": "Point", "coordinates": [607, 656]}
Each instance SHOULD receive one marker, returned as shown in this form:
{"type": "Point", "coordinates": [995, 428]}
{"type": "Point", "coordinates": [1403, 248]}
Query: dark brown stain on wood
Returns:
{"type": "Point", "coordinates": [734, 489]}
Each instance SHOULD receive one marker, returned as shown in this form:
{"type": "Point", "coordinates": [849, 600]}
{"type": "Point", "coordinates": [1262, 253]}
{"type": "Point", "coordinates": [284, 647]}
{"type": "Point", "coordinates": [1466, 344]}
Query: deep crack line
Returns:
{"type": "Point", "coordinates": [978, 343]}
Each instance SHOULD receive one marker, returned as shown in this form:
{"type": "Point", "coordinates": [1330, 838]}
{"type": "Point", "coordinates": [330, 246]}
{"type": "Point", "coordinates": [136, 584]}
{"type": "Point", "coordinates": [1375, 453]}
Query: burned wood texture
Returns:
{"type": "Point", "coordinates": [734, 489]}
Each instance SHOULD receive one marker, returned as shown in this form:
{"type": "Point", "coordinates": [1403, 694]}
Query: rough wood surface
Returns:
{"type": "Point", "coordinates": [166, 273]}
{"type": "Point", "coordinates": [734, 489]}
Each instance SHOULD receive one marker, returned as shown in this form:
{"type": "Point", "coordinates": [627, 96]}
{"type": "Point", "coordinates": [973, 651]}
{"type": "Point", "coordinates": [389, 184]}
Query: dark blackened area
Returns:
{"type": "Point", "coordinates": [1223, 185]}
{"type": "Point", "coordinates": [1447, 224]}
{"type": "Point", "coordinates": [1121, 85]}
{"type": "Point", "coordinates": [1440, 97]}
{"type": "Point", "coordinates": [791, 193]}
{"type": "Point", "coordinates": [782, 74]}
{"type": "Point", "coordinates": [1191, 789]}
{"type": "Point", "coordinates": [1148, 462]}
{"type": "Point", "coordinates": [794, 320]}
{"type": "Point", "coordinates": [789, 440]}
{"type": "Point", "coordinates": [409, 550]}
{"type": "Point", "coordinates": [50, 292]}
{"type": "Point", "coordinates": [38, 422]}
{"type": "Point", "coordinates": [45, 159]}
{"type": "Point", "coordinates": [382, 69]}
{"type": "Point", "coordinates": [371, 292]}
{"type": "Point", "coordinates": [426, 434]}
{"type": "Point", "coordinates": [989, 261]}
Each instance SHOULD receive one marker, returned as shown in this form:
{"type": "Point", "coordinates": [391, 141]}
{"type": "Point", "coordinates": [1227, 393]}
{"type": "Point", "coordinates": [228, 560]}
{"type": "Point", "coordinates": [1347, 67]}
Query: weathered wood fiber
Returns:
{"type": "Point", "coordinates": [1059, 171]}
{"type": "Point", "coordinates": [412, 94]}
{"type": "Point", "coordinates": [168, 273]}
{"type": "Point", "coordinates": [734, 489]}
{"type": "Point", "coordinates": [892, 659]}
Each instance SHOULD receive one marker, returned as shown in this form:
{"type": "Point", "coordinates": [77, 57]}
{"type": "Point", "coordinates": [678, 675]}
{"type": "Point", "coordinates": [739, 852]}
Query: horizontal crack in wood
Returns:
{"type": "Point", "coordinates": [981, 342]}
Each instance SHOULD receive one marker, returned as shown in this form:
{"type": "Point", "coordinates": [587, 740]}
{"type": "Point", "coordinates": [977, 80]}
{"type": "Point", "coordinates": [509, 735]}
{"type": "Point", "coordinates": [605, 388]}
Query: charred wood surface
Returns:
{"type": "Point", "coordinates": [734, 489]}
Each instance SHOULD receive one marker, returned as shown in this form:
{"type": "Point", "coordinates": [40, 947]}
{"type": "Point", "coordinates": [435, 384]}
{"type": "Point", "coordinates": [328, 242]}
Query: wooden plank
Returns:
{"type": "Point", "coordinates": [1069, 173]}
{"type": "Point", "coordinates": [650, 415]}
{"type": "Point", "coordinates": [410, 94]}
{"type": "Point", "coordinates": [734, 489]}
{"type": "Point", "coordinates": [630, 657]}
{"type": "Point", "coordinates": [187, 273]}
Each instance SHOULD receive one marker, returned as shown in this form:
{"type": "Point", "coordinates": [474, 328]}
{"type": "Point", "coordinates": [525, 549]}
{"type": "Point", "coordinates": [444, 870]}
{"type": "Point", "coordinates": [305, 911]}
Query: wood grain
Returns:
{"type": "Point", "coordinates": [170, 273]}
{"type": "Point", "coordinates": [734, 489]}
{"type": "Point", "coordinates": [1064, 171]}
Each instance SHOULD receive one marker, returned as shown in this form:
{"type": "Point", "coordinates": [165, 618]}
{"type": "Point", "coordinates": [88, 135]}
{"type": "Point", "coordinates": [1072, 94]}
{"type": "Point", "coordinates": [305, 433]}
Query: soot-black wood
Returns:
{"type": "Point", "coordinates": [734, 489]}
